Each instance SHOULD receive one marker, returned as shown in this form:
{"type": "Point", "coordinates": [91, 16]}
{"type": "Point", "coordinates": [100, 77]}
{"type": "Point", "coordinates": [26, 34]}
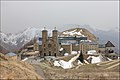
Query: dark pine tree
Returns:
{"type": "Point", "coordinates": [81, 58]}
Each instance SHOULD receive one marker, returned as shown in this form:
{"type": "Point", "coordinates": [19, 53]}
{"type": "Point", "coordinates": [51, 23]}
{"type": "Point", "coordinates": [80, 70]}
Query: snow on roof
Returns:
{"type": "Point", "coordinates": [11, 54]}
{"type": "Point", "coordinates": [109, 44]}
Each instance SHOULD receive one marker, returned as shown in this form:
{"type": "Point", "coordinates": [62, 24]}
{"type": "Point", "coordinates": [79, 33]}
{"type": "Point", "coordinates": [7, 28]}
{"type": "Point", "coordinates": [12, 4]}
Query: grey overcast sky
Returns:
{"type": "Point", "coordinates": [17, 16]}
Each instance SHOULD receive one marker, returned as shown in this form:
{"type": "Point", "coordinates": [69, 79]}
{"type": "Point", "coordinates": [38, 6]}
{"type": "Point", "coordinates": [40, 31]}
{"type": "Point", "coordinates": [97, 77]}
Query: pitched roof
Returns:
{"type": "Point", "coordinates": [109, 44]}
{"type": "Point", "coordinates": [11, 54]}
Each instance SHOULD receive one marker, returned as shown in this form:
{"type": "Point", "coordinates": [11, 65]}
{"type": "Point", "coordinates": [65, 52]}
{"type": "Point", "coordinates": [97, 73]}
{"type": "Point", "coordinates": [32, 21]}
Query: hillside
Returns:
{"type": "Point", "coordinates": [11, 69]}
{"type": "Point", "coordinates": [78, 32]}
{"type": "Point", "coordinates": [108, 70]}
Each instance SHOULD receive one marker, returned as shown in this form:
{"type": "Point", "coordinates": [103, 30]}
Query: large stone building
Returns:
{"type": "Point", "coordinates": [70, 43]}
{"type": "Point", "coordinates": [86, 46]}
{"type": "Point", "coordinates": [57, 46]}
{"type": "Point", "coordinates": [50, 46]}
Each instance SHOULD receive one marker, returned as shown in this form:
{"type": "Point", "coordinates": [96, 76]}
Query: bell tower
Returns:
{"type": "Point", "coordinates": [55, 41]}
{"type": "Point", "coordinates": [44, 41]}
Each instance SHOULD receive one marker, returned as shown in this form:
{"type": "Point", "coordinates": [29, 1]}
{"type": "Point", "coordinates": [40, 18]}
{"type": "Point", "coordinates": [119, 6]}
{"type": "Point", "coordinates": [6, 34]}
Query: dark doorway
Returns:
{"type": "Point", "coordinates": [55, 54]}
{"type": "Point", "coordinates": [49, 53]}
{"type": "Point", "coordinates": [44, 54]}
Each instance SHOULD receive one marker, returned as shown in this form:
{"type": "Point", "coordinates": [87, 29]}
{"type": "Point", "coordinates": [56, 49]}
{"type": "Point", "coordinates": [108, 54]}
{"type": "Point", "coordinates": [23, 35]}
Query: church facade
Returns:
{"type": "Point", "coordinates": [50, 46]}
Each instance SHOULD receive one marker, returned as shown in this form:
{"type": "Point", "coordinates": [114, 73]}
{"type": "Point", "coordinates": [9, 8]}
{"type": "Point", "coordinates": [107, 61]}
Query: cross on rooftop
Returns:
{"type": "Point", "coordinates": [44, 28]}
{"type": "Point", "coordinates": [55, 28]}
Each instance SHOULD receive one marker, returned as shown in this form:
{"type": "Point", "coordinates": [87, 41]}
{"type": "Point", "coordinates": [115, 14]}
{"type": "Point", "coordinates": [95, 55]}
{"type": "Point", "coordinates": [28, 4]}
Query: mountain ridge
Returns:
{"type": "Point", "coordinates": [78, 32]}
{"type": "Point", "coordinates": [15, 41]}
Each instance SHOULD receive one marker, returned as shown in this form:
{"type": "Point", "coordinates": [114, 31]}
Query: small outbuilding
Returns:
{"type": "Point", "coordinates": [12, 55]}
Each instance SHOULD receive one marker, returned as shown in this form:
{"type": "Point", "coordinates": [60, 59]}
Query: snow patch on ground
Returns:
{"type": "Point", "coordinates": [91, 52]}
{"type": "Point", "coordinates": [95, 59]}
{"type": "Point", "coordinates": [109, 59]}
{"type": "Point", "coordinates": [66, 54]}
{"type": "Point", "coordinates": [25, 59]}
{"type": "Point", "coordinates": [74, 52]}
{"type": "Point", "coordinates": [66, 64]}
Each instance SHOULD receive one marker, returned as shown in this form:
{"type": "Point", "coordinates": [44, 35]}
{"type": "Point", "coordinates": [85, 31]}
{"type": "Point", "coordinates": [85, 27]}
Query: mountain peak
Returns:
{"type": "Point", "coordinates": [20, 39]}
{"type": "Point", "coordinates": [78, 32]}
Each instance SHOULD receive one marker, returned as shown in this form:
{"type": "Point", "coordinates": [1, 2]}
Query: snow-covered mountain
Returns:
{"type": "Point", "coordinates": [12, 42]}
{"type": "Point", "coordinates": [23, 37]}
{"type": "Point", "coordinates": [78, 32]}
{"type": "Point", "coordinates": [16, 41]}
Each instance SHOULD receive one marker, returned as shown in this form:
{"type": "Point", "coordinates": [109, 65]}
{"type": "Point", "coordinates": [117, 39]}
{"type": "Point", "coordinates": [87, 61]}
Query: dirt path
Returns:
{"type": "Point", "coordinates": [39, 71]}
